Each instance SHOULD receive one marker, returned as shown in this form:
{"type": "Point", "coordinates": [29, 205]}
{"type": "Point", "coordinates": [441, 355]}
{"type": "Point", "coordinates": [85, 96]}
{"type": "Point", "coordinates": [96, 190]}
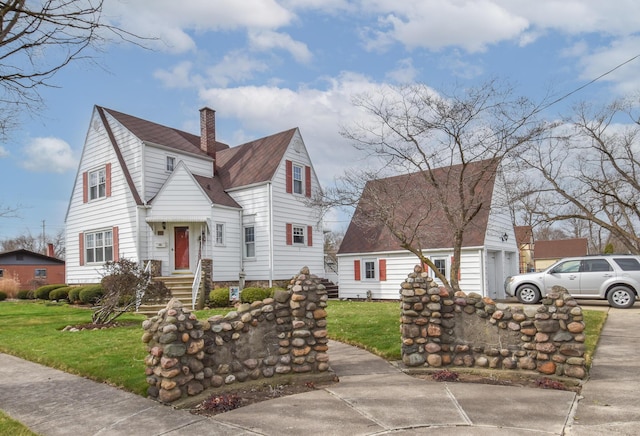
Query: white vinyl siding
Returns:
{"type": "Point", "coordinates": [155, 168]}
{"type": "Point", "coordinates": [117, 210]}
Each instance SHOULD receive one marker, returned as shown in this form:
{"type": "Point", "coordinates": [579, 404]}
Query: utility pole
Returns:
{"type": "Point", "coordinates": [44, 243]}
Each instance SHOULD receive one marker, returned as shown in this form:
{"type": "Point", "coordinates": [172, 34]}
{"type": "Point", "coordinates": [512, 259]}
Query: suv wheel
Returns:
{"type": "Point", "coordinates": [621, 297]}
{"type": "Point", "coordinates": [528, 294]}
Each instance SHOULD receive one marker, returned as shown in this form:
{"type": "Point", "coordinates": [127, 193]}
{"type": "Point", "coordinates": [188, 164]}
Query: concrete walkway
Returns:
{"type": "Point", "coordinates": [372, 398]}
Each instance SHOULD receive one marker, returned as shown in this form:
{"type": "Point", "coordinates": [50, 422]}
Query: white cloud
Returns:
{"type": "Point", "coordinates": [405, 72]}
{"type": "Point", "coordinates": [179, 76]}
{"type": "Point", "coordinates": [267, 40]}
{"type": "Point", "coordinates": [3, 152]}
{"type": "Point", "coordinates": [171, 21]}
{"type": "Point", "coordinates": [235, 67]}
{"type": "Point", "coordinates": [49, 155]}
{"type": "Point", "coordinates": [319, 113]}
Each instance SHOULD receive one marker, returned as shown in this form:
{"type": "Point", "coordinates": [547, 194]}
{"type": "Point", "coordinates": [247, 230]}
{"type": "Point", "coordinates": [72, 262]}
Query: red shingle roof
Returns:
{"type": "Point", "coordinates": [524, 234]}
{"type": "Point", "coordinates": [409, 203]}
{"type": "Point", "coordinates": [559, 248]}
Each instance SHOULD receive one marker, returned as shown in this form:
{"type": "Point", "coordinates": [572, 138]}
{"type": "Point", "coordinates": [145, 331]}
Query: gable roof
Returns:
{"type": "Point", "coordinates": [412, 208]}
{"type": "Point", "coordinates": [558, 248]}
{"type": "Point", "coordinates": [212, 186]}
{"type": "Point", "coordinates": [162, 135]}
{"type": "Point", "coordinates": [524, 234]}
{"type": "Point", "coordinates": [242, 165]}
{"type": "Point", "coordinates": [29, 254]}
{"type": "Point", "coordinates": [253, 162]}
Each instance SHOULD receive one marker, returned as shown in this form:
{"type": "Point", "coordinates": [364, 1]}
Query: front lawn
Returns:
{"type": "Point", "coordinates": [33, 331]}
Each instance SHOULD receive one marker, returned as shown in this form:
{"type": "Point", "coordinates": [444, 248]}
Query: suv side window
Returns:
{"type": "Point", "coordinates": [569, 266]}
{"type": "Point", "coordinates": [627, 263]}
{"type": "Point", "coordinates": [596, 265]}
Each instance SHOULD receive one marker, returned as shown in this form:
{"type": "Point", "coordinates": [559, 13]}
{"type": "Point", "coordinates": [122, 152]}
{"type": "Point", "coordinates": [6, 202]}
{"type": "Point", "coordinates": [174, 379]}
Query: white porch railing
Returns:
{"type": "Point", "coordinates": [196, 284]}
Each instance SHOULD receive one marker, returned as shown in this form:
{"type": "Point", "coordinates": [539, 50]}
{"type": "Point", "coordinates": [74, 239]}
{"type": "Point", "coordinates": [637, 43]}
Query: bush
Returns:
{"type": "Point", "coordinates": [219, 297]}
{"type": "Point", "coordinates": [249, 295]}
{"type": "Point", "coordinates": [90, 294]}
{"type": "Point", "coordinates": [25, 295]}
{"type": "Point", "coordinates": [42, 293]}
{"type": "Point", "coordinates": [10, 286]}
{"type": "Point", "coordinates": [59, 293]}
{"type": "Point", "coordinates": [74, 294]}
{"type": "Point", "coordinates": [3, 296]}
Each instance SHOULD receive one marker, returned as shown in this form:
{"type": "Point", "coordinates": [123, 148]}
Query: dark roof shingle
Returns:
{"type": "Point", "coordinates": [406, 202]}
{"type": "Point", "coordinates": [558, 248]}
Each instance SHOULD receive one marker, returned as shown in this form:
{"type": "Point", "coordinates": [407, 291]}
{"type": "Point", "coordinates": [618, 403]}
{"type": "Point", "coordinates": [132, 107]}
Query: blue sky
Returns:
{"type": "Point", "coordinates": [266, 66]}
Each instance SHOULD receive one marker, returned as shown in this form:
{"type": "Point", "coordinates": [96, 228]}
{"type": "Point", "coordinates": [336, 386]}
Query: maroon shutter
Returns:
{"type": "Point", "coordinates": [81, 247]}
{"type": "Point", "coordinates": [307, 181]}
{"type": "Point", "coordinates": [356, 270]}
{"type": "Point", "coordinates": [289, 234]}
{"type": "Point", "coordinates": [382, 267]}
{"type": "Point", "coordinates": [310, 236]}
{"type": "Point", "coordinates": [108, 179]}
{"type": "Point", "coordinates": [116, 245]}
{"type": "Point", "coordinates": [85, 187]}
{"type": "Point", "coordinates": [289, 166]}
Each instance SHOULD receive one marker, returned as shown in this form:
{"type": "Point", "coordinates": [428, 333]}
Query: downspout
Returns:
{"type": "Point", "coordinates": [483, 275]}
{"type": "Point", "coordinates": [241, 260]}
{"type": "Point", "coordinates": [270, 187]}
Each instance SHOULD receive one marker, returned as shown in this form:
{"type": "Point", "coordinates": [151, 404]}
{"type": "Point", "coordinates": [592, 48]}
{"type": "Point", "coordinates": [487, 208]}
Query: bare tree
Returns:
{"type": "Point", "coordinates": [590, 173]}
{"type": "Point", "coordinates": [37, 244]}
{"type": "Point", "coordinates": [38, 39]}
{"type": "Point", "coordinates": [414, 130]}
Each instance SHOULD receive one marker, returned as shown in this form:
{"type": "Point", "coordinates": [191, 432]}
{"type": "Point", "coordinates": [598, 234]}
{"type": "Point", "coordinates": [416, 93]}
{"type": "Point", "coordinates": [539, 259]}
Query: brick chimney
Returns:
{"type": "Point", "coordinates": [208, 133]}
{"type": "Point", "coordinates": [50, 251]}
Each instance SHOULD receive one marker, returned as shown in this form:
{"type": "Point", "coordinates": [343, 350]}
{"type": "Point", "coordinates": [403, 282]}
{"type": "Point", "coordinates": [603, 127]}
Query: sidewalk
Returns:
{"type": "Point", "coordinates": [372, 397]}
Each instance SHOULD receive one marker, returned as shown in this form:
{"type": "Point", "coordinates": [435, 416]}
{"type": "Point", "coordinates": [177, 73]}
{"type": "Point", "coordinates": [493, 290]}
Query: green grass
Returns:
{"type": "Point", "coordinates": [12, 427]}
{"type": "Point", "coordinates": [594, 322]}
{"type": "Point", "coordinates": [32, 330]}
{"type": "Point", "coordinates": [374, 326]}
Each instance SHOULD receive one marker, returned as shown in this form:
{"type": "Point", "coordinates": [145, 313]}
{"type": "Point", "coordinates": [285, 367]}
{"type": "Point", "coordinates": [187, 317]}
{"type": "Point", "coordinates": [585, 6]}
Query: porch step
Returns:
{"type": "Point", "coordinates": [180, 287]}
{"type": "Point", "coordinates": [332, 288]}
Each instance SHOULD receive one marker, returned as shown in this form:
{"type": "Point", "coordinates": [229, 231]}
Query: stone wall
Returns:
{"type": "Point", "coordinates": [286, 334]}
{"type": "Point", "coordinates": [440, 330]}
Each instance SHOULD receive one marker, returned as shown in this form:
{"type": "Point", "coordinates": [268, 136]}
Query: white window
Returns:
{"type": "Point", "coordinates": [298, 235]}
{"type": "Point", "coordinates": [249, 242]}
{"type": "Point", "coordinates": [370, 269]}
{"type": "Point", "coordinates": [219, 234]}
{"type": "Point", "coordinates": [297, 179]}
{"type": "Point", "coordinates": [41, 273]}
{"type": "Point", "coordinates": [98, 246]}
{"type": "Point", "coordinates": [171, 163]}
{"type": "Point", "coordinates": [98, 184]}
{"type": "Point", "coordinates": [441, 266]}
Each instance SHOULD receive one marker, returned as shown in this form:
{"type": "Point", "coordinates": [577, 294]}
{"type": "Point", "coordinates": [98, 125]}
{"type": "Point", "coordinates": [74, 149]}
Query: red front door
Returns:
{"type": "Point", "coordinates": [181, 247]}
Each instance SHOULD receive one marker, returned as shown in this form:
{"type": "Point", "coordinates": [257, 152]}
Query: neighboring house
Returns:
{"type": "Point", "coordinates": [144, 191]}
{"type": "Point", "coordinates": [373, 263]}
{"type": "Point", "coordinates": [524, 238]}
{"type": "Point", "coordinates": [547, 253]}
{"type": "Point", "coordinates": [31, 270]}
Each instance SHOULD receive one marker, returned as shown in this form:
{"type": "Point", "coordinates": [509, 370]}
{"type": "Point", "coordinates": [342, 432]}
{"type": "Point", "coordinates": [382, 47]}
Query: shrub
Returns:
{"type": "Point", "coordinates": [42, 293]}
{"type": "Point", "coordinates": [25, 295]}
{"type": "Point", "coordinates": [10, 286]}
{"type": "Point", "coordinates": [219, 297]}
{"type": "Point", "coordinates": [90, 294]}
{"type": "Point", "coordinates": [59, 293]}
{"type": "Point", "coordinates": [3, 296]}
{"type": "Point", "coordinates": [74, 294]}
{"type": "Point", "coordinates": [249, 295]}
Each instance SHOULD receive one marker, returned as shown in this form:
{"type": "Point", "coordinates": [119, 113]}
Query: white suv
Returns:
{"type": "Point", "coordinates": [615, 278]}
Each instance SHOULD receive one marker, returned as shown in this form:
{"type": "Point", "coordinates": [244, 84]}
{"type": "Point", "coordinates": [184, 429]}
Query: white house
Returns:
{"type": "Point", "coordinates": [144, 191]}
{"type": "Point", "coordinates": [372, 261]}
